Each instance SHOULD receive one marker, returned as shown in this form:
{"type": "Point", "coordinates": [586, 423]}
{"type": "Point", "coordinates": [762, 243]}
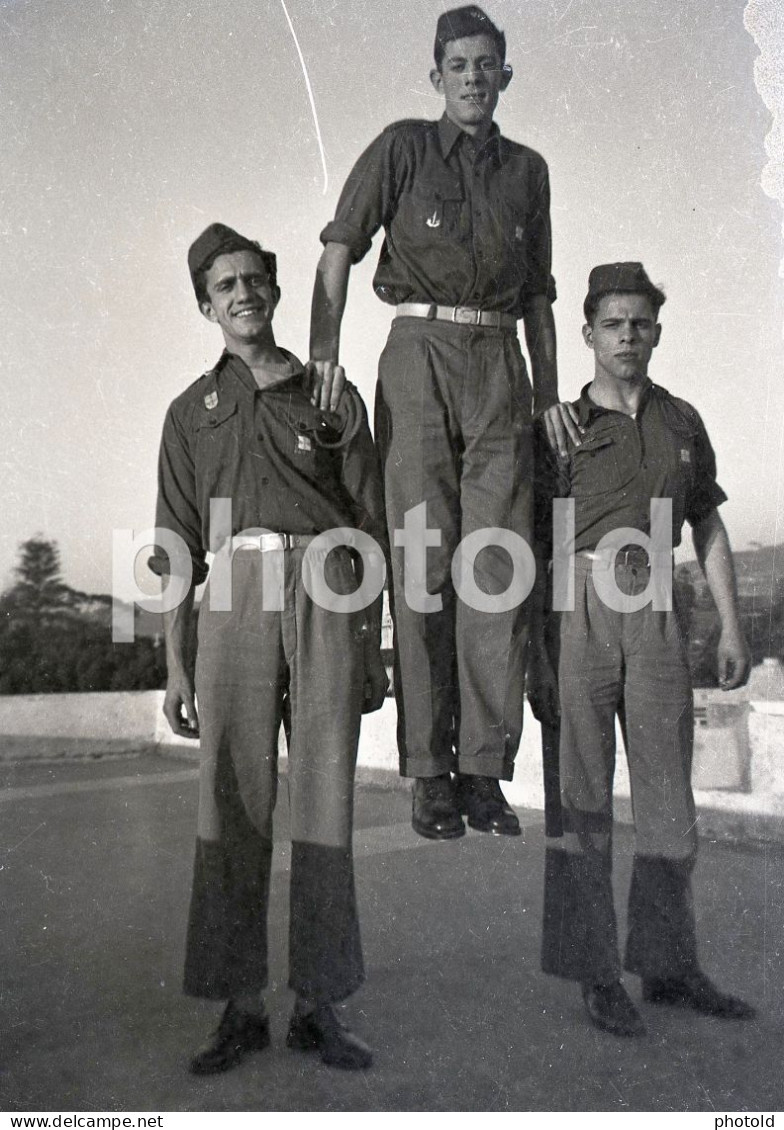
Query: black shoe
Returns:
{"type": "Point", "coordinates": [237, 1035]}
{"type": "Point", "coordinates": [610, 1008]}
{"type": "Point", "coordinates": [481, 799]}
{"type": "Point", "coordinates": [435, 813]}
{"type": "Point", "coordinates": [323, 1031]}
{"type": "Point", "coordinates": [698, 992]}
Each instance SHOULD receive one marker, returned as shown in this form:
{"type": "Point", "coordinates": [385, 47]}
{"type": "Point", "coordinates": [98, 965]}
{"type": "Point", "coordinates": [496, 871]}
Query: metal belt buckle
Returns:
{"type": "Point", "coordinates": [287, 541]}
{"type": "Point", "coordinates": [466, 317]}
{"type": "Point", "coordinates": [634, 557]}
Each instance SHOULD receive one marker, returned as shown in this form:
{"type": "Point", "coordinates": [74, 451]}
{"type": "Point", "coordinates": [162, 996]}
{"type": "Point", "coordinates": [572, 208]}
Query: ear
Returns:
{"type": "Point", "coordinates": [506, 76]}
{"type": "Point", "coordinates": [437, 80]}
{"type": "Point", "coordinates": [207, 310]}
{"type": "Point", "coordinates": [656, 334]}
{"type": "Point", "coordinates": [588, 335]}
{"type": "Point", "coordinates": [276, 295]}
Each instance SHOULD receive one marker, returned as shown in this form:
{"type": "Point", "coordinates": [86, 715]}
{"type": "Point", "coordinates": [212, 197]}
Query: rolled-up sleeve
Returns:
{"type": "Point", "coordinates": [177, 508]}
{"type": "Point", "coordinates": [539, 249]}
{"type": "Point", "coordinates": [706, 494]}
{"type": "Point", "coordinates": [367, 200]}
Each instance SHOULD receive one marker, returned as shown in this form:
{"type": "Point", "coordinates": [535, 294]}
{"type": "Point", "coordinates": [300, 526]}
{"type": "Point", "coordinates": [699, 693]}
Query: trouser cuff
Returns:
{"type": "Point", "coordinates": [486, 765]}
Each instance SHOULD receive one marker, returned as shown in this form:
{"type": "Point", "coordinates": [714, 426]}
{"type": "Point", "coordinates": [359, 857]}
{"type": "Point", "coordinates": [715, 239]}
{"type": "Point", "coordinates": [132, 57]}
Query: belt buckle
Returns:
{"type": "Point", "coordinates": [466, 317]}
{"type": "Point", "coordinates": [635, 557]}
{"type": "Point", "coordinates": [287, 541]}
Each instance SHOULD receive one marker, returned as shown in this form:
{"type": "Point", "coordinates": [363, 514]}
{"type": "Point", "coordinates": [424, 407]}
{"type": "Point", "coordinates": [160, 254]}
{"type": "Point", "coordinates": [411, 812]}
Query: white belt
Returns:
{"type": "Point", "coordinates": [631, 556]}
{"type": "Point", "coordinates": [269, 542]}
{"type": "Point", "coordinates": [462, 315]}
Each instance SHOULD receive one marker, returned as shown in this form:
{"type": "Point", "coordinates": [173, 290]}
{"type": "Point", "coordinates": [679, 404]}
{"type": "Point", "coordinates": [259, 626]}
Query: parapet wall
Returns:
{"type": "Point", "coordinates": [738, 763]}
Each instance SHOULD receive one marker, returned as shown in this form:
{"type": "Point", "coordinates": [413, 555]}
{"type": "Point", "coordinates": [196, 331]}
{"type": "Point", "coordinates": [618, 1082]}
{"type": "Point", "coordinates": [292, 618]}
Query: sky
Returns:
{"type": "Point", "coordinates": [128, 126]}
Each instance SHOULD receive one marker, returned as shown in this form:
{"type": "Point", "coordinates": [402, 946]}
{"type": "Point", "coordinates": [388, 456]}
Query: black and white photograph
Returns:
{"type": "Point", "coordinates": [391, 559]}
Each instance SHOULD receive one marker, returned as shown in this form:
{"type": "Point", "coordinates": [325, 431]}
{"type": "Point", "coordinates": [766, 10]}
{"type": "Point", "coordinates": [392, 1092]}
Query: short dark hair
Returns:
{"type": "Point", "coordinates": [268, 258]}
{"type": "Point", "coordinates": [655, 296]}
{"type": "Point", "coordinates": [460, 23]}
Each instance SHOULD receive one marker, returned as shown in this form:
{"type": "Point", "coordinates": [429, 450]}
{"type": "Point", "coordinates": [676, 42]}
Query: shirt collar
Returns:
{"type": "Point", "coordinates": [243, 374]}
{"type": "Point", "coordinates": [449, 134]}
{"type": "Point", "coordinates": [587, 409]}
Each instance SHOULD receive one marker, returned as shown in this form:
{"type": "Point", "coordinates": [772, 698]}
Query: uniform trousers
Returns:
{"type": "Point", "coordinates": [256, 667]}
{"type": "Point", "coordinates": [453, 428]}
{"type": "Point", "coordinates": [630, 664]}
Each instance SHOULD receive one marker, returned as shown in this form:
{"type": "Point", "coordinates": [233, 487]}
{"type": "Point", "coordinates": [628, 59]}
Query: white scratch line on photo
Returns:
{"type": "Point", "coordinates": [310, 94]}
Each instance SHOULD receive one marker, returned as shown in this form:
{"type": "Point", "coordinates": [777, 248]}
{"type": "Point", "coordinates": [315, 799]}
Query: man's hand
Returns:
{"type": "Point", "coordinates": [560, 421]}
{"type": "Point", "coordinates": [376, 681]}
{"type": "Point", "coordinates": [327, 382]}
{"type": "Point", "coordinates": [542, 688]}
{"type": "Point", "coordinates": [179, 708]}
{"type": "Point", "coordinates": [734, 660]}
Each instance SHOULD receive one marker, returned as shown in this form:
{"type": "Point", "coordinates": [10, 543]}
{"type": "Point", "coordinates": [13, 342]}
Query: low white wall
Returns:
{"type": "Point", "coordinates": [738, 769]}
{"type": "Point", "coordinates": [77, 725]}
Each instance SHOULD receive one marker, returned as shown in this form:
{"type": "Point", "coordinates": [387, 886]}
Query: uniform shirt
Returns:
{"type": "Point", "coordinates": [465, 225]}
{"type": "Point", "coordinates": [625, 461]}
{"type": "Point", "coordinates": [224, 437]}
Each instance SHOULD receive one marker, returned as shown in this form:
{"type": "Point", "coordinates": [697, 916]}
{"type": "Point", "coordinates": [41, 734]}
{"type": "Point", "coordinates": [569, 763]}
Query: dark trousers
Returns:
{"type": "Point", "coordinates": [453, 427]}
{"type": "Point", "coordinates": [631, 664]}
{"type": "Point", "coordinates": [252, 667]}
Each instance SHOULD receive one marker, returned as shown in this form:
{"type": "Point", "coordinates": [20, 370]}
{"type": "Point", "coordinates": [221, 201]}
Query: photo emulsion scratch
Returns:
{"type": "Point", "coordinates": [311, 97]}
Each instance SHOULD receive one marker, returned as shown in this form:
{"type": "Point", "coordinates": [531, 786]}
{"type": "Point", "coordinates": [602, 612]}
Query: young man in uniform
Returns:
{"type": "Point", "coordinates": [246, 432]}
{"type": "Point", "coordinates": [622, 652]}
{"type": "Point", "coordinates": [467, 254]}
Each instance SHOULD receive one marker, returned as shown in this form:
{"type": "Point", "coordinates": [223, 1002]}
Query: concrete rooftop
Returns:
{"type": "Point", "coordinates": [95, 876]}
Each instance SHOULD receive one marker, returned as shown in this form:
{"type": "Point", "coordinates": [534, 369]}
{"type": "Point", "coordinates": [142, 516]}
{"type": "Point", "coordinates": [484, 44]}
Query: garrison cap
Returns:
{"type": "Point", "coordinates": [217, 239]}
{"type": "Point", "coordinates": [458, 23]}
{"type": "Point", "coordinates": [623, 278]}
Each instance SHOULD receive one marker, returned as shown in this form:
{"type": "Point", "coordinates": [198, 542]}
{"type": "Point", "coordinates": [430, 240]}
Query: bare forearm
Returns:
{"type": "Point", "coordinates": [714, 554]}
{"type": "Point", "coordinates": [540, 340]}
{"type": "Point", "coordinates": [178, 627]}
{"type": "Point", "coordinates": [329, 302]}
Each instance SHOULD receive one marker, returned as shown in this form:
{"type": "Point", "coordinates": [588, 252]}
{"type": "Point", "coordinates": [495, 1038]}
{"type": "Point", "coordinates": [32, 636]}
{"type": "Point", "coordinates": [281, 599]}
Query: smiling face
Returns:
{"type": "Point", "coordinates": [471, 77]}
{"type": "Point", "coordinates": [240, 299]}
{"type": "Point", "coordinates": [623, 335]}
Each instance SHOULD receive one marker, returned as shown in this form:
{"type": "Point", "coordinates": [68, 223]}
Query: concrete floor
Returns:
{"type": "Point", "coordinates": [95, 874]}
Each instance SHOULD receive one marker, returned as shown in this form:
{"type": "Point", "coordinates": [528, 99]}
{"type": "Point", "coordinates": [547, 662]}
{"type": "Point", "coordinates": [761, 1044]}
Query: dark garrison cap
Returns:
{"type": "Point", "coordinates": [217, 239]}
{"type": "Point", "coordinates": [628, 278]}
{"type": "Point", "coordinates": [458, 23]}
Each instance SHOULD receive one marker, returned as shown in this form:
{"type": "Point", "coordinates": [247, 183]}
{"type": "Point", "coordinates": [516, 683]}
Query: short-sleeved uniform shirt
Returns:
{"type": "Point", "coordinates": [466, 224]}
{"type": "Point", "coordinates": [625, 461]}
{"type": "Point", "coordinates": [287, 466]}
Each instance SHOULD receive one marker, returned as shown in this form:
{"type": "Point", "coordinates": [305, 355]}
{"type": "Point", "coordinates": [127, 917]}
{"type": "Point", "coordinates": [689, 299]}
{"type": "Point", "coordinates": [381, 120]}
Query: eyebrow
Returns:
{"type": "Point", "coordinates": [239, 275]}
{"type": "Point", "coordinates": [465, 59]}
{"type": "Point", "coordinates": [614, 321]}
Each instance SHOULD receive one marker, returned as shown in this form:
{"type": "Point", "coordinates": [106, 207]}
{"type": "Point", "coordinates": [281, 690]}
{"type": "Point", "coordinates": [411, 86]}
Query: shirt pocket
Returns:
{"type": "Point", "coordinates": [218, 450]}
{"type": "Point", "coordinates": [209, 419]}
{"type": "Point", "coordinates": [217, 430]}
{"type": "Point", "coordinates": [432, 211]}
{"type": "Point", "coordinates": [682, 452]}
{"type": "Point", "coordinates": [605, 462]}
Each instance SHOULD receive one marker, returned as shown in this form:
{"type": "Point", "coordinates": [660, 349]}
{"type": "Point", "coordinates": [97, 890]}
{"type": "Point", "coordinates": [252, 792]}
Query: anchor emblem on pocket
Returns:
{"type": "Point", "coordinates": [434, 221]}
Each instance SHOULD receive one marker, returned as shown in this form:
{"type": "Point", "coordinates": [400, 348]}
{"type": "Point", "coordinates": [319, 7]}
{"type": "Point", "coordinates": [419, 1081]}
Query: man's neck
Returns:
{"type": "Point", "coordinates": [618, 396]}
{"type": "Point", "coordinates": [478, 133]}
{"type": "Point", "coordinates": [260, 356]}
